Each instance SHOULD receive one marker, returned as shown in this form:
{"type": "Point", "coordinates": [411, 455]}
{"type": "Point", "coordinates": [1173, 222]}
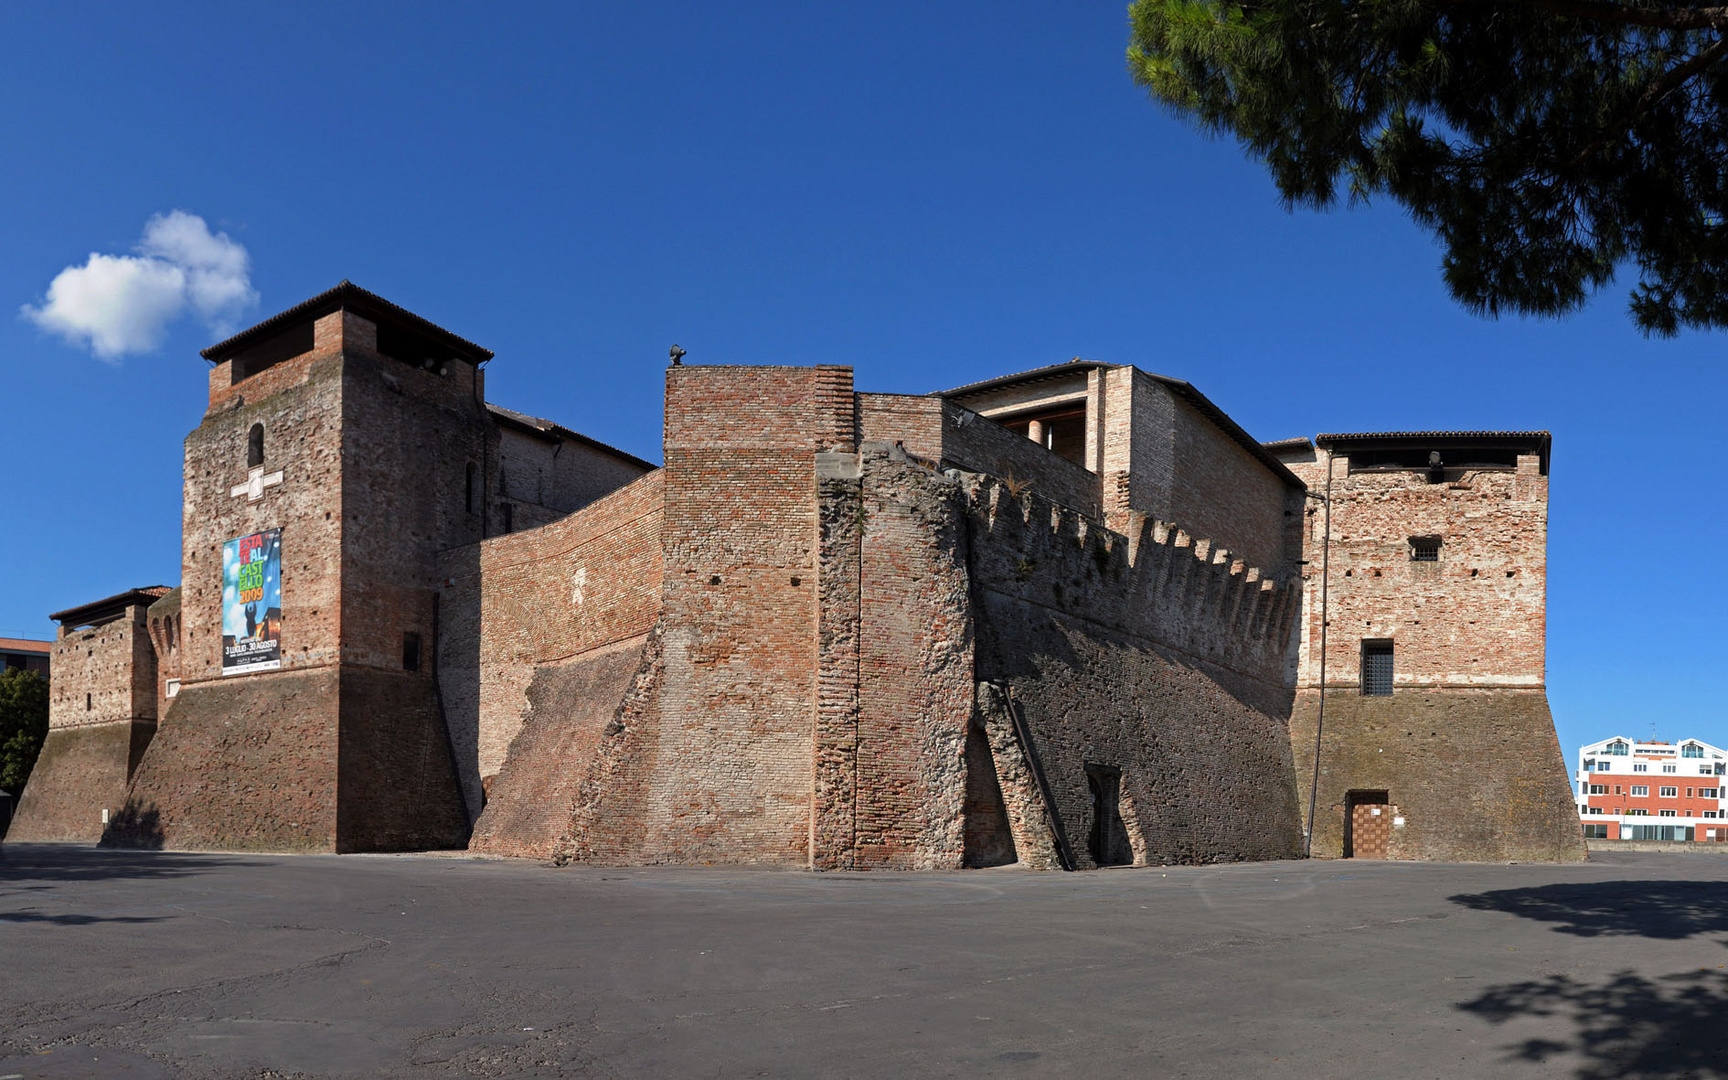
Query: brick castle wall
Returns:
{"type": "Point", "coordinates": [548, 596]}
{"type": "Point", "coordinates": [1156, 655]}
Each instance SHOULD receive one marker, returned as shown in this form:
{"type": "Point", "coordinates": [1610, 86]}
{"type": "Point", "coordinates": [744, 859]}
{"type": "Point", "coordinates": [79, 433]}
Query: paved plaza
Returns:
{"type": "Point", "coordinates": [157, 965]}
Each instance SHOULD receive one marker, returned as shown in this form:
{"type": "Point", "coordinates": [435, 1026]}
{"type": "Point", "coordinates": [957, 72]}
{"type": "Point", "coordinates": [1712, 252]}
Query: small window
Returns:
{"type": "Point", "coordinates": [1639, 766]}
{"type": "Point", "coordinates": [1376, 668]}
{"type": "Point", "coordinates": [255, 446]}
{"type": "Point", "coordinates": [1598, 789]}
{"type": "Point", "coordinates": [1668, 793]}
{"type": "Point", "coordinates": [509, 517]}
{"type": "Point", "coordinates": [468, 497]}
{"type": "Point", "coordinates": [1670, 768]}
{"type": "Point", "coordinates": [87, 705]}
{"type": "Point", "coordinates": [1667, 813]}
{"type": "Point", "coordinates": [1640, 789]}
{"type": "Point", "coordinates": [1424, 549]}
{"type": "Point", "coordinates": [410, 651]}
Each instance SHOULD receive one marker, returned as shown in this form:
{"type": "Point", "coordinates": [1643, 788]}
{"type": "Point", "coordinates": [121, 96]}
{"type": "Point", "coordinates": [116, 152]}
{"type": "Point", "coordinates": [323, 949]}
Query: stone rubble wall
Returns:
{"type": "Point", "coordinates": [1156, 655]}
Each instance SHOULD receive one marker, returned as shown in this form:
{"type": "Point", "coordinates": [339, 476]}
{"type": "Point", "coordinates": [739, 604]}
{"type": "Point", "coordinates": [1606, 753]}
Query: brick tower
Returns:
{"type": "Point", "coordinates": [346, 443]}
{"type": "Point", "coordinates": [1433, 580]}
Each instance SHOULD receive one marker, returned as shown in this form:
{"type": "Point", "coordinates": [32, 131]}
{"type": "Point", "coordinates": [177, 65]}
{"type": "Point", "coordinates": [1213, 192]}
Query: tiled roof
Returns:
{"type": "Point", "coordinates": [83, 612]}
{"type": "Point", "coordinates": [345, 295]}
{"type": "Point", "coordinates": [13, 644]}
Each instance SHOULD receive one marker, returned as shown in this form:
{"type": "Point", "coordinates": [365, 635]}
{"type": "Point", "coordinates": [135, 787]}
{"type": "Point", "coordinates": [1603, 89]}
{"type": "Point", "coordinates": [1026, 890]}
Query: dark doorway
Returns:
{"type": "Point", "coordinates": [987, 840]}
{"type": "Point", "coordinates": [1108, 840]}
{"type": "Point", "coordinates": [1367, 824]}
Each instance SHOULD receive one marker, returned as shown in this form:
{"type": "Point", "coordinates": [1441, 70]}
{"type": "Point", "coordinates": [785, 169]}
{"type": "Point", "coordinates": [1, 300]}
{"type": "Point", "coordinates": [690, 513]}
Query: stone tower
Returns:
{"type": "Point", "coordinates": [346, 442]}
{"type": "Point", "coordinates": [1433, 584]}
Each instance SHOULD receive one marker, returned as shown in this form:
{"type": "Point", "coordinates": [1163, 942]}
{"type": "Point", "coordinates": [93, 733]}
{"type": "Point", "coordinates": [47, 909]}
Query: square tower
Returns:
{"type": "Point", "coordinates": [346, 443]}
{"type": "Point", "coordinates": [1419, 670]}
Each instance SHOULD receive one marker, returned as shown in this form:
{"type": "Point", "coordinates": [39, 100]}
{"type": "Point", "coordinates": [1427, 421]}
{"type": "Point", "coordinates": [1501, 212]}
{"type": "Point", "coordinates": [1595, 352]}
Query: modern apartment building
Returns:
{"type": "Point", "coordinates": [1630, 790]}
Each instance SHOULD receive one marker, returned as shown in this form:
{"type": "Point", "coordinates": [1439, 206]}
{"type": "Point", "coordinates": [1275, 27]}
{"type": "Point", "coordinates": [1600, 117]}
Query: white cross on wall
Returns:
{"type": "Point", "coordinates": [255, 484]}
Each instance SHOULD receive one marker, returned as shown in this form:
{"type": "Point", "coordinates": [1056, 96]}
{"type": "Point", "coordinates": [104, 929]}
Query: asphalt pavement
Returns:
{"type": "Point", "coordinates": [167, 965]}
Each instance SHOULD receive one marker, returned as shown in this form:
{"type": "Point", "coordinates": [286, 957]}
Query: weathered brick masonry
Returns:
{"type": "Point", "coordinates": [1463, 630]}
{"type": "Point", "coordinates": [101, 716]}
{"type": "Point", "coordinates": [1064, 618]}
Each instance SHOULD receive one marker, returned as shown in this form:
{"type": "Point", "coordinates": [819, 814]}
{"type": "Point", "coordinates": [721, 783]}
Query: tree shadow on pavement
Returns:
{"type": "Point", "coordinates": [73, 920]}
{"type": "Point", "coordinates": [1671, 910]}
{"type": "Point", "coordinates": [1628, 1026]}
{"type": "Point", "coordinates": [22, 865]}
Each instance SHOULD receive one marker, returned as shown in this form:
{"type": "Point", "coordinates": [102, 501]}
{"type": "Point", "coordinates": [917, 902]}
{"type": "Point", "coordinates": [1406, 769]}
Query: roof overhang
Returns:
{"type": "Point", "coordinates": [347, 296]}
{"type": "Point", "coordinates": [110, 605]}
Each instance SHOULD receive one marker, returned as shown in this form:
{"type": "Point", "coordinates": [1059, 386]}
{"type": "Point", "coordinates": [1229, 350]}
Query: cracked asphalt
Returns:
{"type": "Point", "coordinates": [167, 965]}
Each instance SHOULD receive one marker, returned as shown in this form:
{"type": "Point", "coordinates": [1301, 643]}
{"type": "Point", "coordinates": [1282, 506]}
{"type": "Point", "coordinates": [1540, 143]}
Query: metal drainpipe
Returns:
{"type": "Point", "coordinates": [1325, 620]}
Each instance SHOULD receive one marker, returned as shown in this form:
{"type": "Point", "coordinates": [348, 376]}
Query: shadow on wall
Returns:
{"type": "Point", "coordinates": [1670, 910]}
{"type": "Point", "coordinates": [134, 827]}
{"type": "Point", "coordinates": [1628, 1026]}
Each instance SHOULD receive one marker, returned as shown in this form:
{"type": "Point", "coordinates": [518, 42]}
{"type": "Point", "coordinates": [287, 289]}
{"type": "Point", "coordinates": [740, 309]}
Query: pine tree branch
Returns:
{"type": "Point", "coordinates": [1665, 18]}
{"type": "Point", "coordinates": [1658, 89]}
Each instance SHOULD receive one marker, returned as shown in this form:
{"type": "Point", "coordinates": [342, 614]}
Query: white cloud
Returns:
{"type": "Point", "coordinates": [120, 304]}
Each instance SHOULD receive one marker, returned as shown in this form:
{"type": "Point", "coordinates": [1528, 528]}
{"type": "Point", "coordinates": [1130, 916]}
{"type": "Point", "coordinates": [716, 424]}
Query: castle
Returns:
{"type": "Point", "coordinates": [1067, 618]}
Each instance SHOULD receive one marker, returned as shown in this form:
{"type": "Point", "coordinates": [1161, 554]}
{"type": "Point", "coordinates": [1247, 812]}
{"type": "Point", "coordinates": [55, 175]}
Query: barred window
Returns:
{"type": "Point", "coordinates": [1376, 667]}
{"type": "Point", "coordinates": [1424, 549]}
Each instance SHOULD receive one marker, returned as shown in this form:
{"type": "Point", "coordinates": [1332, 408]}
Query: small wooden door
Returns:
{"type": "Point", "coordinates": [1370, 830]}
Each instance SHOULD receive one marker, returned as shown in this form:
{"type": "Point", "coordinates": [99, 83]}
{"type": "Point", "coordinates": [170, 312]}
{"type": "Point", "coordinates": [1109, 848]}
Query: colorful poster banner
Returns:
{"type": "Point", "coordinates": [252, 603]}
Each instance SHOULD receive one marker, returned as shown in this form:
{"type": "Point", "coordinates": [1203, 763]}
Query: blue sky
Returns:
{"type": "Point", "coordinates": [933, 194]}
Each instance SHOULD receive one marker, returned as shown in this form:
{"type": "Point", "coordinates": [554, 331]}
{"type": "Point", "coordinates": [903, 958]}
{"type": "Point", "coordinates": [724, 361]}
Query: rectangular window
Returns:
{"type": "Point", "coordinates": [1376, 668]}
{"type": "Point", "coordinates": [1666, 813]}
{"type": "Point", "coordinates": [1691, 751]}
{"type": "Point", "coordinates": [1639, 766]}
{"type": "Point", "coordinates": [1670, 768]}
{"type": "Point", "coordinates": [1619, 790]}
{"type": "Point", "coordinates": [1709, 793]}
{"type": "Point", "coordinates": [410, 651]}
{"type": "Point", "coordinates": [1598, 831]}
{"type": "Point", "coordinates": [1704, 770]}
{"type": "Point", "coordinates": [1603, 766]}
{"type": "Point", "coordinates": [1618, 749]}
{"type": "Point", "coordinates": [1637, 813]}
{"type": "Point", "coordinates": [1688, 793]}
{"type": "Point", "coordinates": [1711, 814]}
{"type": "Point", "coordinates": [1668, 792]}
{"type": "Point", "coordinates": [1598, 789]}
{"type": "Point", "coordinates": [1640, 789]}
{"type": "Point", "coordinates": [1424, 549]}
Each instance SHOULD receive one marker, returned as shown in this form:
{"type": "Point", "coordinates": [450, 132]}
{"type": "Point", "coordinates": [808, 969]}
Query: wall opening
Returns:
{"type": "Point", "coordinates": [1377, 667]}
{"type": "Point", "coordinates": [410, 651]}
{"type": "Point", "coordinates": [468, 497]}
{"type": "Point", "coordinates": [1424, 549]}
{"type": "Point", "coordinates": [1367, 824]}
{"type": "Point", "coordinates": [1108, 839]}
{"type": "Point", "coordinates": [986, 840]}
{"type": "Point", "coordinates": [1062, 431]}
{"type": "Point", "coordinates": [255, 446]}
